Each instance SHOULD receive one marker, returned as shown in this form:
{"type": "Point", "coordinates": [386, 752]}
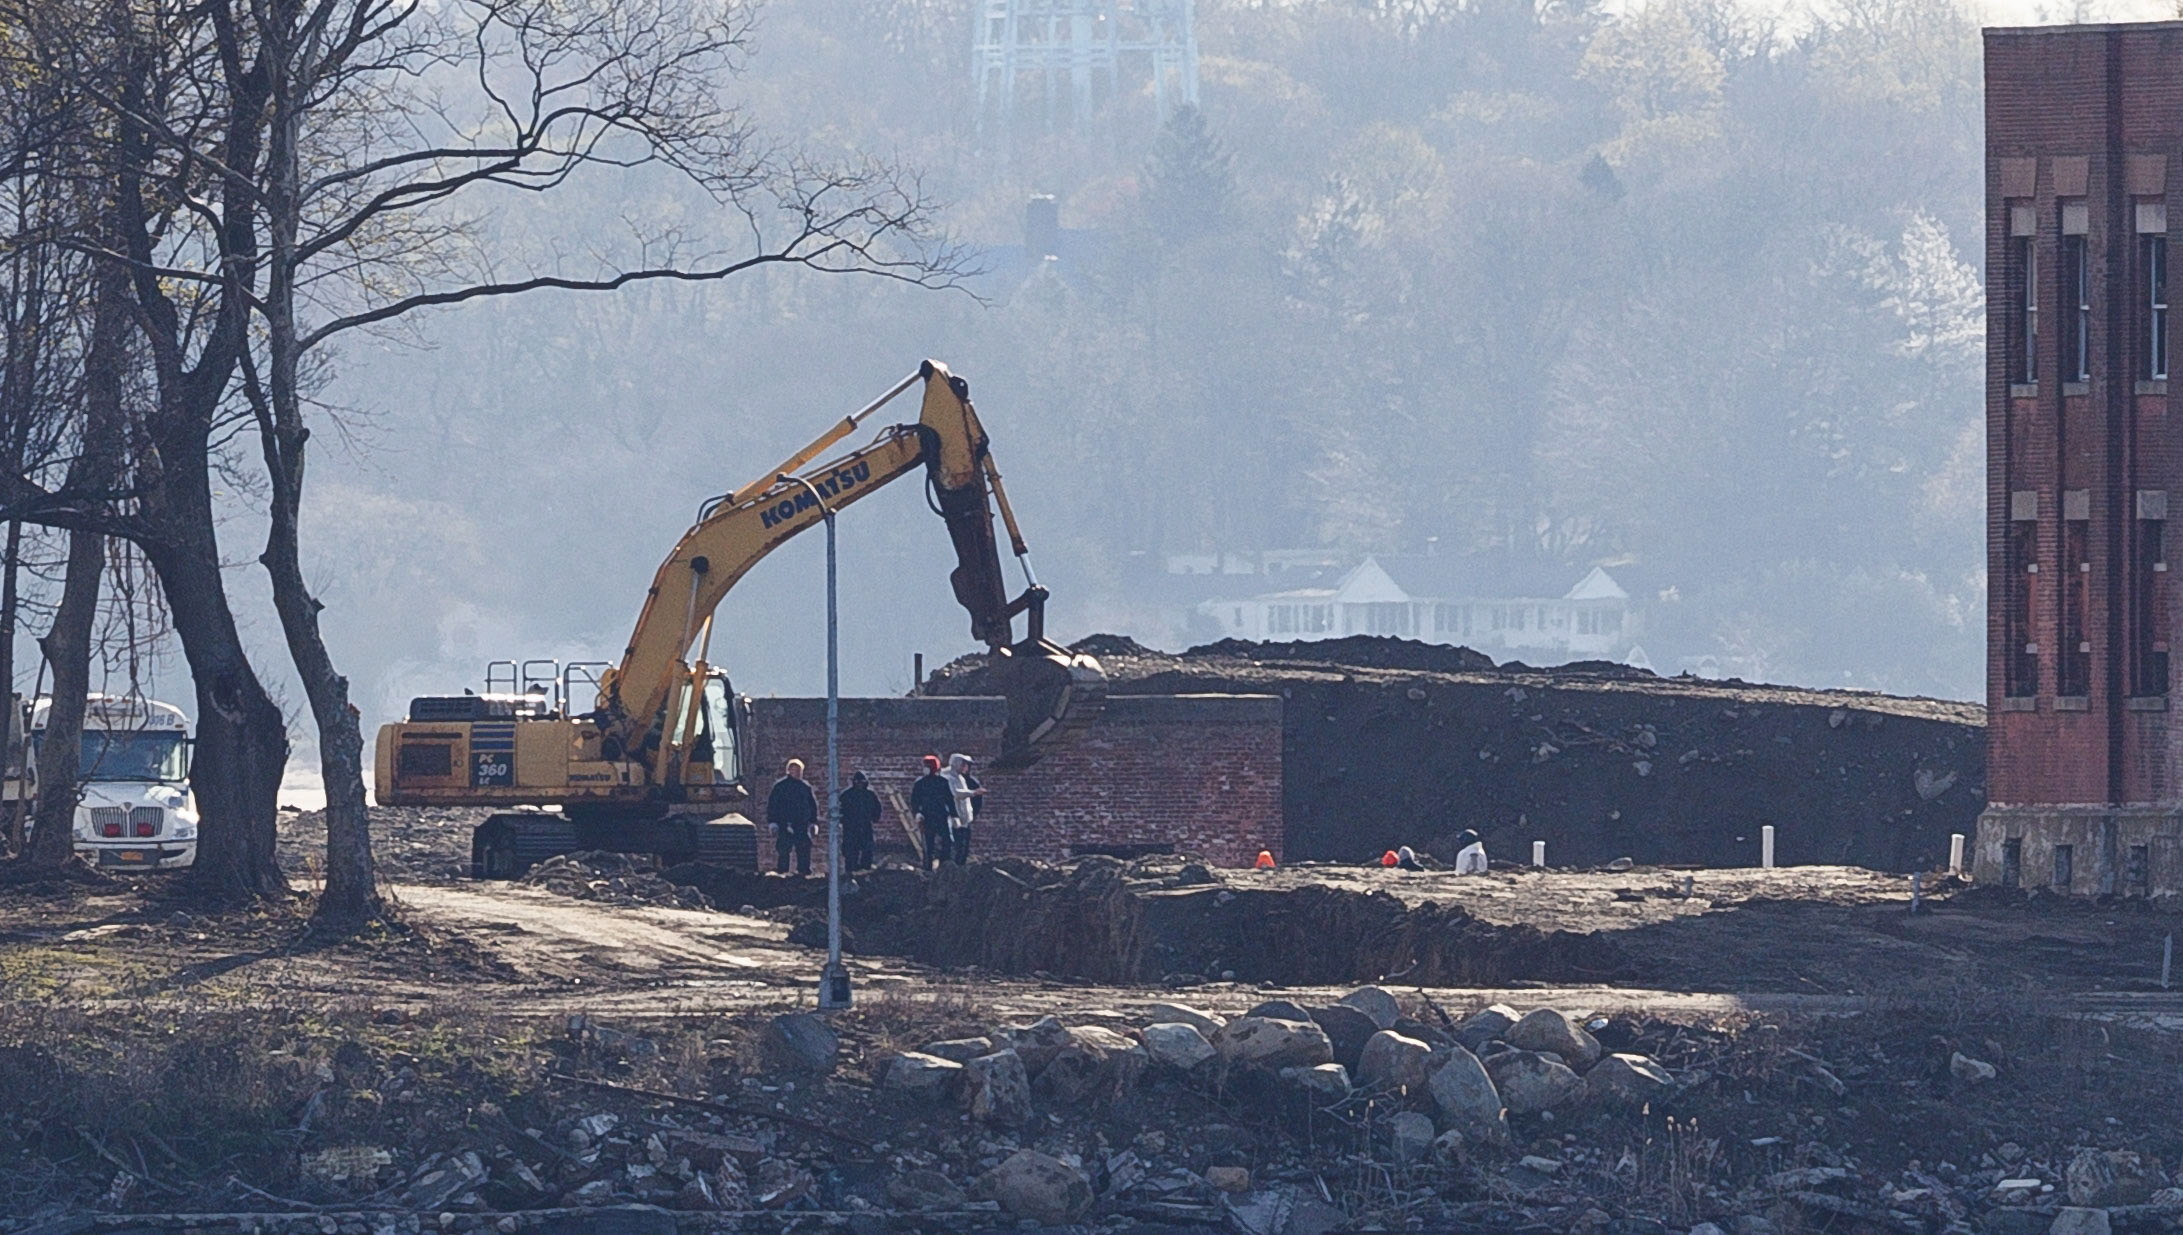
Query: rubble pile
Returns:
{"type": "Point", "coordinates": [1390, 742]}
{"type": "Point", "coordinates": [1170, 920]}
{"type": "Point", "coordinates": [614, 878]}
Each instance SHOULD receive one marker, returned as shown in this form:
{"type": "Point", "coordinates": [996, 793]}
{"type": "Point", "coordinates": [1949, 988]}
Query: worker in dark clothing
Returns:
{"type": "Point", "coordinates": [859, 812]}
{"type": "Point", "coordinates": [932, 800]}
{"type": "Point", "coordinates": [793, 810]}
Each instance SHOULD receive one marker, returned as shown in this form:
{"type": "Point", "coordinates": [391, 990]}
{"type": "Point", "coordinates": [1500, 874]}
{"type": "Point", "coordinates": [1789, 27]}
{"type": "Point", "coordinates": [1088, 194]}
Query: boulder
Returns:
{"type": "Point", "coordinates": [996, 1090]}
{"type": "Point", "coordinates": [2100, 1178]}
{"type": "Point", "coordinates": [961, 1050]}
{"type": "Point", "coordinates": [1424, 1031]}
{"type": "Point", "coordinates": [1550, 1031]}
{"type": "Point", "coordinates": [1028, 1184]}
{"type": "Point", "coordinates": [1448, 1148]}
{"type": "Point", "coordinates": [926, 1078]}
{"type": "Point", "coordinates": [1265, 1042]}
{"type": "Point", "coordinates": [1183, 1014]}
{"type": "Point", "coordinates": [1391, 1061]}
{"type": "Point", "coordinates": [1412, 1136]}
{"type": "Point", "coordinates": [799, 1042]}
{"type": "Point", "coordinates": [2077, 1220]}
{"type": "Point", "coordinates": [1487, 1024]}
{"type": "Point", "coordinates": [1327, 1082]}
{"type": "Point", "coordinates": [1533, 1081]}
{"type": "Point", "coordinates": [924, 1190]}
{"type": "Point", "coordinates": [1970, 1071]}
{"type": "Point", "coordinates": [1348, 1029]}
{"type": "Point", "coordinates": [1096, 1063]}
{"type": "Point", "coordinates": [1465, 1095]}
{"type": "Point", "coordinates": [1626, 1081]}
{"type": "Point", "coordinates": [1177, 1046]}
{"type": "Point", "coordinates": [1037, 1043]}
{"type": "Point", "coordinates": [1377, 1003]}
{"type": "Point", "coordinates": [1280, 1010]}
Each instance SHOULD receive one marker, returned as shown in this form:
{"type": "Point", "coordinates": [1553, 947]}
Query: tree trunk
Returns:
{"type": "Point", "coordinates": [68, 650]}
{"type": "Point", "coordinates": [11, 557]}
{"type": "Point", "coordinates": [351, 896]}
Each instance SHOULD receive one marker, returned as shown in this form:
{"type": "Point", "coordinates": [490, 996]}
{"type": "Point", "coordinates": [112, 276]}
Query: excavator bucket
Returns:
{"type": "Point", "coordinates": [1053, 696]}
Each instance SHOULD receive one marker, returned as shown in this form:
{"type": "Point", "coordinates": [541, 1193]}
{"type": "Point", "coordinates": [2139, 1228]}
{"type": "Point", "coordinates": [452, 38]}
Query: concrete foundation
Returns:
{"type": "Point", "coordinates": [2082, 850]}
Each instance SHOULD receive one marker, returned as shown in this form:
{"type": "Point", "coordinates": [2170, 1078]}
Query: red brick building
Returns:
{"type": "Point", "coordinates": [2085, 764]}
{"type": "Point", "coordinates": [1198, 774]}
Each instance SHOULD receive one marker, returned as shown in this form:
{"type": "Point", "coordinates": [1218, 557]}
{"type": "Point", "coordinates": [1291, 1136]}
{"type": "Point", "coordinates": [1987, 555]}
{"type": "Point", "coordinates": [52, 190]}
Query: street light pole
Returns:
{"type": "Point", "coordinates": [834, 979]}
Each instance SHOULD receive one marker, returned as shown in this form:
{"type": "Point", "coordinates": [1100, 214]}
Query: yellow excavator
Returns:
{"type": "Point", "coordinates": [656, 765]}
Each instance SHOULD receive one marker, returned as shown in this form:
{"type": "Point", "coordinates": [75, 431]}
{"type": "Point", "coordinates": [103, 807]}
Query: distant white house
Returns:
{"type": "Point", "coordinates": [1487, 604]}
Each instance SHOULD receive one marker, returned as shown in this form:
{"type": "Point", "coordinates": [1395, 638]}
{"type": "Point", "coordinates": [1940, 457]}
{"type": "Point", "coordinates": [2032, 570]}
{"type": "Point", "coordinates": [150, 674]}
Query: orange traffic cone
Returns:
{"type": "Point", "coordinates": [1389, 859]}
{"type": "Point", "coordinates": [1265, 860]}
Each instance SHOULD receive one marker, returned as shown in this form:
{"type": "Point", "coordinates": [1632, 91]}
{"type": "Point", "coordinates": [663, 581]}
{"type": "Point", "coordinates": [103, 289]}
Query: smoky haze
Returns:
{"type": "Point", "coordinates": [1692, 290]}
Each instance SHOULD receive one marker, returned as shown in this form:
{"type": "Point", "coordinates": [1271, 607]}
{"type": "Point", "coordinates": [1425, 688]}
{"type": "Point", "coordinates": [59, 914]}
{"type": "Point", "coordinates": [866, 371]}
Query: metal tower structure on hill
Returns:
{"type": "Point", "coordinates": [1069, 57]}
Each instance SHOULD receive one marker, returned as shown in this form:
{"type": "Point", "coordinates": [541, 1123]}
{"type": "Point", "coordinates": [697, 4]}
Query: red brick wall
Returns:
{"type": "Point", "coordinates": [1199, 772]}
{"type": "Point", "coordinates": [2109, 96]}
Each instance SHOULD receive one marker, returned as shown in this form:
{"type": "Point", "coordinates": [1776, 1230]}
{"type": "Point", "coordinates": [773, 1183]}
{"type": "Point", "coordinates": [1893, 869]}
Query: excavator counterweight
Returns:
{"type": "Point", "coordinates": [656, 763]}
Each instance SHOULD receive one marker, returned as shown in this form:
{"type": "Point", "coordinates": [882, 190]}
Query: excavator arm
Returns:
{"type": "Point", "coordinates": [1050, 691]}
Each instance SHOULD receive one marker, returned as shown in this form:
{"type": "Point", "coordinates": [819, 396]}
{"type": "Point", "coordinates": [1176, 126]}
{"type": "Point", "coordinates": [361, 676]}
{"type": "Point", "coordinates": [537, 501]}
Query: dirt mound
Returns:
{"type": "Point", "coordinates": [1100, 919]}
{"type": "Point", "coordinates": [1390, 742]}
{"type": "Point", "coordinates": [614, 878]}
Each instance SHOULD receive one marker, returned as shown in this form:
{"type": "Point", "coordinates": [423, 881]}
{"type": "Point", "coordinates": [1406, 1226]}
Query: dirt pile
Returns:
{"type": "Point", "coordinates": [615, 878]}
{"type": "Point", "coordinates": [1167, 920]}
{"type": "Point", "coordinates": [1390, 742]}
{"type": "Point", "coordinates": [411, 843]}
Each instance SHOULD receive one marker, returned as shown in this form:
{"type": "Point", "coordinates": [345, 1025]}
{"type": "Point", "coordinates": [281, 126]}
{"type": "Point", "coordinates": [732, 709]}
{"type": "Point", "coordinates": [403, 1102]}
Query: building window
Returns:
{"type": "Point", "coordinates": [1318, 619]}
{"type": "Point", "coordinates": [2075, 660]}
{"type": "Point", "coordinates": [2020, 651]}
{"type": "Point", "coordinates": [2148, 608]}
{"type": "Point", "coordinates": [2077, 322]}
{"type": "Point", "coordinates": [2065, 866]}
{"type": "Point", "coordinates": [2012, 862]}
{"type": "Point", "coordinates": [2155, 261]}
{"type": "Point", "coordinates": [2137, 872]}
{"type": "Point", "coordinates": [2025, 282]}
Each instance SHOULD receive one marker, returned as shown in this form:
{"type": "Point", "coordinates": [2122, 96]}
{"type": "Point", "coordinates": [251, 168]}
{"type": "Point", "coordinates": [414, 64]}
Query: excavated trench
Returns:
{"type": "Point", "coordinates": [1168, 921]}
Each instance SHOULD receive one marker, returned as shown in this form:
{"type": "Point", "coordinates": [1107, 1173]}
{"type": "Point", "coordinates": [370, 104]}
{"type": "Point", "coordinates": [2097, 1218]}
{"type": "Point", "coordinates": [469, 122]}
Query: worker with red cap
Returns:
{"type": "Point", "coordinates": [932, 800]}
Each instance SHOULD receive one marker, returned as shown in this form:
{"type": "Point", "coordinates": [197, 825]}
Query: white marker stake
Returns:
{"type": "Point", "coordinates": [1538, 853]}
{"type": "Point", "coordinates": [1766, 846]}
{"type": "Point", "coordinates": [1955, 853]}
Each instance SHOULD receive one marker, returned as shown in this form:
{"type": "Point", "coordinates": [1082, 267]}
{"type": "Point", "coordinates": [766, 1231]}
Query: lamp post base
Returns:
{"type": "Point", "coordinates": [834, 987]}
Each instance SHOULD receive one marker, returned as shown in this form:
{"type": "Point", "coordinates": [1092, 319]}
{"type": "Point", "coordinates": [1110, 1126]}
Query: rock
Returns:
{"type": "Point", "coordinates": [1280, 1010]}
{"type": "Point", "coordinates": [960, 1050]}
{"type": "Point", "coordinates": [1431, 1035]}
{"type": "Point", "coordinates": [1487, 1024]}
{"type": "Point", "coordinates": [778, 1183]}
{"type": "Point", "coordinates": [926, 1078]}
{"type": "Point", "coordinates": [1266, 1042]}
{"type": "Point", "coordinates": [1183, 1014]}
{"type": "Point", "coordinates": [996, 1090]}
{"type": "Point", "coordinates": [1752, 1224]}
{"type": "Point", "coordinates": [1707, 1228]}
{"type": "Point", "coordinates": [2078, 1220]}
{"type": "Point", "coordinates": [1312, 1216]}
{"type": "Point", "coordinates": [1411, 1134]}
{"type": "Point", "coordinates": [1533, 1081]}
{"type": "Point", "coordinates": [1096, 1063]}
{"type": "Point", "coordinates": [1037, 1043]}
{"type": "Point", "coordinates": [1328, 1082]}
{"type": "Point", "coordinates": [1376, 1003]}
{"type": "Point", "coordinates": [799, 1042]}
{"type": "Point", "coordinates": [1391, 1061]}
{"type": "Point", "coordinates": [1548, 1030]}
{"type": "Point", "coordinates": [1229, 1178]}
{"type": "Point", "coordinates": [1466, 1097]}
{"type": "Point", "coordinates": [1448, 1148]}
{"type": "Point", "coordinates": [1626, 1080]}
{"type": "Point", "coordinates": [1178, 1046]}
{"type": "Point", "coordinates": [1348, 1028]}
{"type": "Point", "coordinates": [2100, 1178]}
{"type": "Point", "coordinates": [1970, 1071]}
{"type": "Point", "coordinates": [924, 1190]}
{"type": "Point", "coordinates": [1031, 1185]}
{"type": "Point", "coordinates": [1544, 1166]}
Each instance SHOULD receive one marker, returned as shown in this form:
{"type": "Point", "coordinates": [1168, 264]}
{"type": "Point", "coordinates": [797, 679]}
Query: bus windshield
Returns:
{"type": "Point", "coordinates": [148, 755]}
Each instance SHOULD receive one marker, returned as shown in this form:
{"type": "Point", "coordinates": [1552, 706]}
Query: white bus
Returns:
{"type": "Point", "coordinates": [136, 809]}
